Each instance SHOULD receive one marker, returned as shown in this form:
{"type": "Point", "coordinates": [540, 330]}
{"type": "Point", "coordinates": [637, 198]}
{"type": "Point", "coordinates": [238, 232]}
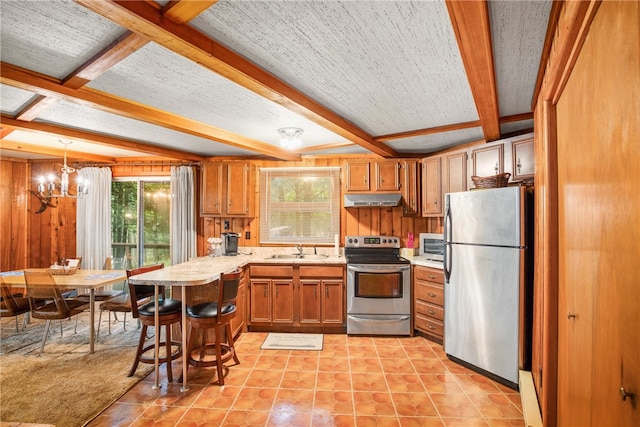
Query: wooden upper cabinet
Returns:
{"type": "Point", "coordinates": [455, 173]}
{"type": "Point", "coordinates": [523, 159]}
{"type": "Point", "coordinates": [365, 176]}
{"type": "Point", "coordinates": [387, 176]}
{"type": "Point", "coordinates": [212, 190]}
{"type": "Point", "coordinates": [488, 160]}
{"type": "Point", "coordinates": [226, 189]}
{"type": "Point", "coordinates": [358, 176]}
{"type": "Point", "coordinates": [432, 186]}
{"type": "Point", "coordinates": [410, 187]}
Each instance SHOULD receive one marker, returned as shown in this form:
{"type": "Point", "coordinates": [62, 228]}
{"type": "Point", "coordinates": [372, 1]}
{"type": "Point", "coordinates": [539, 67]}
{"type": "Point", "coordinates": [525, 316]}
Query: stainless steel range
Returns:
{"type": "Point", "coordinates": [378, 286]}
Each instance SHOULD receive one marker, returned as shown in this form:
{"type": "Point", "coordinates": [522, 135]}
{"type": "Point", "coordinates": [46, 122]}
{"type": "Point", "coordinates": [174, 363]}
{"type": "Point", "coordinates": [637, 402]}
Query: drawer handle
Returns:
{"type": "Point", "coordinates": [432, 295]}
{"type": "Point", "coordinates": [431, 276]}
{"type": "Point", "coordinates": [430, 327]}
{"type": "Point", "coordinates": [431, 312]}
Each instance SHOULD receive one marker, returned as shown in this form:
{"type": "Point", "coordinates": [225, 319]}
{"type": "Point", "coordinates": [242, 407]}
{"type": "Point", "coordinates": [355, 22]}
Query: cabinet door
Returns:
{"type": "Point", "coordinates": [358, 176]}
{"type": "Point", "coordinates": [310, 301]}
{"type": "Point", "coordinates": [237, 323]}
{"type": "Point", "coordinates": [260, 307]}
{"type": "Point", "coordinates": [333, 301]}
{"type": "Point", "coordinates": [488, 161]}
{"type": "Point", "coordinates": [455, 175]}
{"type": "Point", "coordinates": [523, 159]}
{"type": "Point", "coordinates": [211, 193]}
{"type": "Point", "coordinates": [410, 187]}
{"type": "Point", "coordinates": [387, 176]}
{"type": "Point", "coordinates": [282, 300]}
{"type": "Point", "coordinates": [238, 189]}
{"type": "Point", "coordinates": [431, 187]}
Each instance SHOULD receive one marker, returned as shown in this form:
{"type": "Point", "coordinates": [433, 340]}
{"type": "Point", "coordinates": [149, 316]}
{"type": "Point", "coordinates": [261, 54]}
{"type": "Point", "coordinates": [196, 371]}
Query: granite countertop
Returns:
{"type": "Point", "coordinates": [206, 269]}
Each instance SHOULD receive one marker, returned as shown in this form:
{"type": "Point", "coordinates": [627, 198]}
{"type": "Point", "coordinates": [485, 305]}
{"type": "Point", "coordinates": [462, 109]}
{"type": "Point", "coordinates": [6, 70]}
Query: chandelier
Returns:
{"type": "Point", "coordinates": [82, 187]}
{"type": "Point", "coordinates": [290, 137]}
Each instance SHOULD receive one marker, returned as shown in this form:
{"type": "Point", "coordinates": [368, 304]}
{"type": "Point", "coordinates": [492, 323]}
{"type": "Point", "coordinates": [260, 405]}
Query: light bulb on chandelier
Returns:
{"type": "Point", "coordinates": [82, 188]}
{"type": "Point", "coordinates": [290, 137]}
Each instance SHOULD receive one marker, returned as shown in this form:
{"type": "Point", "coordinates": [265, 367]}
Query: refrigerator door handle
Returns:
{"type": "Point", "coordinates": [447, 245]}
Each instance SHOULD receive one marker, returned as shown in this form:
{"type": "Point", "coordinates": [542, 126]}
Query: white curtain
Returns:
{"type": "Point", "coordinates": [183, 216]}
{"type": "Point", "coordinates": [93, 219]}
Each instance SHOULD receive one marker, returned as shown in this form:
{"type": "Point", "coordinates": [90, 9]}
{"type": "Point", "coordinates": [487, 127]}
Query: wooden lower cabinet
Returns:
{"type": "Point", "coordinates": [238, 323]}
{"type": "Point", "coordinates": [428, 291]}
{"type": "Point", "coordinates": [297, 298]}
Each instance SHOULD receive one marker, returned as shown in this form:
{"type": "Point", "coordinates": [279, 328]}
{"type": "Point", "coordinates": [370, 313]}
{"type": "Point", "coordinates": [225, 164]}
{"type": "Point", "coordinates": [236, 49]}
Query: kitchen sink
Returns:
{"type": "Point", "coordinates": [297, 256]}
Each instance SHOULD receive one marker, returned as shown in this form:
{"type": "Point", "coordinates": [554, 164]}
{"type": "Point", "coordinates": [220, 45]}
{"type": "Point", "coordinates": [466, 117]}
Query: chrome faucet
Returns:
{"type": "Point", "coordinates": [299, 248]}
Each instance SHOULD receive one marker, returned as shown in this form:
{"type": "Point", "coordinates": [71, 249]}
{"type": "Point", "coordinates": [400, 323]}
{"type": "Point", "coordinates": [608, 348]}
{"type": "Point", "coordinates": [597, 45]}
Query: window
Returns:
{"type": "Point", "coordinates": [299, 205]}
{"type": "Point", "coordinates": [140, 211]}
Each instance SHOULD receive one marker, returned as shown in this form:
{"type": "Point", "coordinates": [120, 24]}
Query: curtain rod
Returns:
{"type": "Point", "coordinates": [151, 163]}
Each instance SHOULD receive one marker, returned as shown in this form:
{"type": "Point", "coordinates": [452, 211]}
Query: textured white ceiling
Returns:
{"type": "Point", "coordinates": [385, 66]}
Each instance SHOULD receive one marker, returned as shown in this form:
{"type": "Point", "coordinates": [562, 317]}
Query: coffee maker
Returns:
{"type": "Point", "coordinates": [230, 244]}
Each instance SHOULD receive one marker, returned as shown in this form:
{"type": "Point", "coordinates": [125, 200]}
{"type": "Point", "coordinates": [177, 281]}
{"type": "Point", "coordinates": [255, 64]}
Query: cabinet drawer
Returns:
{"type": "Point", "coordinates": [270, 271]}
{"type": "Point", "coordinates": [430, 293]}
{"type": "Point", "coordinates": [317, 271]}
{"type": "Point", "coordinates": [430, 310]}
{"type": "Point", "coordinates": [429, 325]}
{"type": "Point", "coordinates": [429, 274]}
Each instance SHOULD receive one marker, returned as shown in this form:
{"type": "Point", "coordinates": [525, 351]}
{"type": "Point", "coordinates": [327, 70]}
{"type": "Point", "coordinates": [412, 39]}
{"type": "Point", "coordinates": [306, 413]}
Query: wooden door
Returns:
{"type": "Point", "coordinates": [211, 193]}
{"type": "Point", "coordinates": [599, 241]}
{"type": "Point", "coordinates": [358, 178]}
{"type": "Point", "coordinates": [238, 189]}
{"type": "Point", "coordinates": [260, 308]}
{"type": "Point", "coordinates": [310, 301]}
{"type": "Point", "coordinates": [455, 172]}
{"type": "Point", "coordinates": [332, 297]}
{"type": "Point", "coordinates": [410, 187]}
{"type": "Point", "coordinates": [282, 300]}
{"type": "Point", "coordinates": [431, 187]}
{"type": "Point", "coordinates": [488, 161]}
{"type": "Point", "coordinates": [388, 176]}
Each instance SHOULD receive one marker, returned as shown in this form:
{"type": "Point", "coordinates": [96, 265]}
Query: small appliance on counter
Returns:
{"type": "Point", "coordinates": [230, 244]}
{"type": "Point", "coordinates": [432, 247]}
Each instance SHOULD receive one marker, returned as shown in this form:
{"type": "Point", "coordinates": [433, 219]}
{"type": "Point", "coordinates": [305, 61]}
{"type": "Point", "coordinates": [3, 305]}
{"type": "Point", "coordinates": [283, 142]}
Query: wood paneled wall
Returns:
{"type": "Point", "coordinates": [29, 239]}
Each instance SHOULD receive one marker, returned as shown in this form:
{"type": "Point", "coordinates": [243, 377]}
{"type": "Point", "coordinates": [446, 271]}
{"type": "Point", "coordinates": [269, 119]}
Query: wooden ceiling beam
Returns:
{"type": "Point", "coordinates": [183, 11]}
{"type": "Point", "coordinates": [57, 152]}
{"type": "Point", "coordinates": [470, 20]}
{"type": "Point", "coordinates": [96, 138]}
{"type": "Point", "coordinates": [427, 131]}
{"type": "Point", "coordinates": [516, 118]}
{"type": "Point", "coordinates": [47, 86]}
{"type": "Point", "coordinates": [143, 18]}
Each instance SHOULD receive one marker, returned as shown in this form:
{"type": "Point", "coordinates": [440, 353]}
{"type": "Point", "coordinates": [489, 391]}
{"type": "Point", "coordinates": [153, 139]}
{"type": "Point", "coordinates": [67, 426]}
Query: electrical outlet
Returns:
{"type": "Point", "coordinates": [247, 235]}
{"type": "Point", "coordinates": [226, 225]}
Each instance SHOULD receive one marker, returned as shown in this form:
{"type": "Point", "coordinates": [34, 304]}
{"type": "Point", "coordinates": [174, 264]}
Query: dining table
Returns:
{"type": "Point", "coordinates": [90, 280]}
{"type": "Point", "coordinates": [196, 272]}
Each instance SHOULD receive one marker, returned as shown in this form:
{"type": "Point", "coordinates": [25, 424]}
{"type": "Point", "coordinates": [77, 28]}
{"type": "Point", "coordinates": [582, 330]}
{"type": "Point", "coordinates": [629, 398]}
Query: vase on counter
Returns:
{"type": "Point", "coordinates": [214, 248]}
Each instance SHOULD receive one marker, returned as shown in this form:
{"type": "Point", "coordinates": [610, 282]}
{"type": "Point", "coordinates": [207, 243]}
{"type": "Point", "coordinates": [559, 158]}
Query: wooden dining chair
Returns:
{"type": "Point", "coordinates": [41, 286]}
{"type": "Point", "coordinates": [13, 305]}
{"type": "Point", "coordinates": [169, 312]}
{"type": "Point", "coordinates": [216, 315]}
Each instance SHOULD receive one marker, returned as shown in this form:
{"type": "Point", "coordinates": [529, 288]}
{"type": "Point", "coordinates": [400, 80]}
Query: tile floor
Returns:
{"type": "Point", "coordinates": [353, 381]}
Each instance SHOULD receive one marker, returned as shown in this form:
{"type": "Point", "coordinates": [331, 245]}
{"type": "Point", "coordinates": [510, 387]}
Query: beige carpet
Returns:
{"type": "Point", "coordinates": [66, 386]}
{"type": "Point", "coordinates": [285, 341]}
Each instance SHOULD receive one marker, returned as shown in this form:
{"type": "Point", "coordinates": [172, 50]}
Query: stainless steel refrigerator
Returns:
{"type": "Point", "coordinates": [486, 281]}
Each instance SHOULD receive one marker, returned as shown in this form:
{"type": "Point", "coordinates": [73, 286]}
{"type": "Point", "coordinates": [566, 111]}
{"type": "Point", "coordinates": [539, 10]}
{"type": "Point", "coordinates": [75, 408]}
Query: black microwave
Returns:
{"type": "Point", "coordinates": [432, 246]}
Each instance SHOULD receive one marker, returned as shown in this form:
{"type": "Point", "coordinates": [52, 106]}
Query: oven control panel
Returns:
{"type": "Point", "coordinates": [371, 242]}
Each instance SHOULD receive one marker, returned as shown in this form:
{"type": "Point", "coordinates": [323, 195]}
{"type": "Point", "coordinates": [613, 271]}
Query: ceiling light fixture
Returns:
{"type": "Point", "coordinates": [82, 189]}
{"type": "Point", "coordinates": [290, 137]}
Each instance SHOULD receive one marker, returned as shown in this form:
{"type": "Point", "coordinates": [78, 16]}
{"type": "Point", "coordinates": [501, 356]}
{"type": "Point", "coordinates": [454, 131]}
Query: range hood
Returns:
{"type": "Point", "coordinates": [371, 200]}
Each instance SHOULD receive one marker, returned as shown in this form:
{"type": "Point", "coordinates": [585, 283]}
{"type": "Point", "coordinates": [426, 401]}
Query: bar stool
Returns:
{"type": "Point", "coordinates": [215, 315]}
{"type": "Point", "coordinates": [169, 312]}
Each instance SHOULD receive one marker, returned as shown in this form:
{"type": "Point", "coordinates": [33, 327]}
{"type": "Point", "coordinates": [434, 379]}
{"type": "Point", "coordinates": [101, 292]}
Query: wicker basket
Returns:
{"type": "Point", "coordinates": [63, 271]}
{"type": "Point", "coordinates": [495, 181]}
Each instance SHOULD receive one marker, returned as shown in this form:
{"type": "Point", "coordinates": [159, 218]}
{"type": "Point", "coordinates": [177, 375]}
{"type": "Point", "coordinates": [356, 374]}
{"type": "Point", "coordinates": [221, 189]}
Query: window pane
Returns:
{"type": "Point", "coordinates": [124, 223]}
{"type": "Point", "coordinates": [299, 205]}
{"type": "Point", "coordinates": [156, 208]}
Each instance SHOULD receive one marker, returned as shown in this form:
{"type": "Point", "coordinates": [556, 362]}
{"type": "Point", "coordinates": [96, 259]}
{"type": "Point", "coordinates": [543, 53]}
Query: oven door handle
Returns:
{"type": "Point", "coordinates": [369, 268]}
